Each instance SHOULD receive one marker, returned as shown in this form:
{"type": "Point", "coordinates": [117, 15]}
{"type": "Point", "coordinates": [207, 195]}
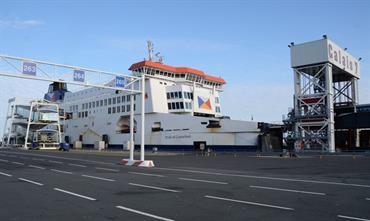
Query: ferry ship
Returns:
{"type": "Point", "coordinates": [182, 112]}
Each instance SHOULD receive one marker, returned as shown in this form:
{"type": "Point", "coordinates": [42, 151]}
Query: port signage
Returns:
{"type": "Point", "coordinates": [120, 81]}
{"type": "Point", "coordinates": [29, 68]}
{"type": "Point", "coordinates": [79, 75]}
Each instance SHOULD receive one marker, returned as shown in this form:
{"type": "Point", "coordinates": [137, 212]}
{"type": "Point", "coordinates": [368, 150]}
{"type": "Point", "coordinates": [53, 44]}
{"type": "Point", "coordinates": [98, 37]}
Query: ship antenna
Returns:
{"type": "Point", "coordinates": [150, 50]}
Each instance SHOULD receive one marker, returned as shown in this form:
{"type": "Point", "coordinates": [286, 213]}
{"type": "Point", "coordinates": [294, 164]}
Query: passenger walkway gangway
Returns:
{"type": "Point", "coordinates": [31, 69]}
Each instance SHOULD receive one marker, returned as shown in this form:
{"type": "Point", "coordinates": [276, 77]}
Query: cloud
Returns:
{"type": "Point", "coordinates": [16, 23]}
{"type": "Point", "coordinates": [263, 102]}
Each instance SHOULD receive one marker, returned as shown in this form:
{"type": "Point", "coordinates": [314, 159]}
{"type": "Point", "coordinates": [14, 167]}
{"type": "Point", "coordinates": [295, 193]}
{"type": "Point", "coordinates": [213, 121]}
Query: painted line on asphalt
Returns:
{"type": "Point", "coordinates": [146, 174]}
{"type": "Point", "coordinates": [61, 171]}
{"type": "Point", "coordinates": [5, 161]}
{"type": "Point", "coordinates": [352, 218]}
{"type": "Point", "coordinates": [154, 187]}
{"type": "Point", "coordinates": [203, 181]}
{"type": "Point", "coordinates": [30, 181]}
{"type": "Point", "coordinates": [250, 203]}
{"type": "Point", "coordinates": [266, 178]}
{"type": "Point", "coordinates": [106, 169]}
{"type": "Point", "coordinates": [98, 178]}
{"type": "Point", "coordinates": [17, 163]}
{"type": "Point", "coordinates": [144, 213]}
{"type": "Point", "coordinates": [53, 161]}
{"type": "Point", "coordinates": [63, 158]}
{"type": "Point", "coordinates": [76, 165]}
{"type": "Point", "coordinates": [5, 174]}
{"type": "Point", "coordinates": [287, 190]}
{"type": "Point", "coordinates": [75, 194]}
{"type": "Point", "coordinates": [37, 167]}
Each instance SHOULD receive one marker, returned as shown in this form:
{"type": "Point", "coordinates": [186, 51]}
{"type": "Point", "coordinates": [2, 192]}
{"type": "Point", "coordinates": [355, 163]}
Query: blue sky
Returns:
{"type": "Point", "coordinates": [243, 41]}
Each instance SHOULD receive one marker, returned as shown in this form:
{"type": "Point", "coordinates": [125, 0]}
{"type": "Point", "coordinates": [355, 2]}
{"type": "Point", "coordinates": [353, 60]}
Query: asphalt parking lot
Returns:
{"type": "Point", "coordinates": [39, 185]}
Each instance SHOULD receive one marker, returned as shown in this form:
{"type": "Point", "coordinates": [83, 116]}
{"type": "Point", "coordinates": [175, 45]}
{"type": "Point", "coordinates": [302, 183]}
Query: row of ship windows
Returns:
{"type": "Point", "coordinates": [179, 94]}
{"type": "Point", "coordinates": [188, 76]}
{"type": "Point", "coordinates": [101, 103]}
{"type": "Point", "coordinates": [179, 105]}
{"type": "Point", "coordinates": [120, 109]}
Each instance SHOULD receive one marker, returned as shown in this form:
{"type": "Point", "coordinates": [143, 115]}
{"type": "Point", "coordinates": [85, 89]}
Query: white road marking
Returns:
{"type": "Point", "coordinates": [154, 187]}
{"type": "Point", "coordinates": [144, 213]}
{"type": "Point", "coordinates": [352, 218]}
{"type": "Point", "coordinates": [17, 163]}
{"type": "Point", "coordinates": [5, 174]}
{"type": "Point", "coordinates": [250, 203]}
{"type": "Point", "coordinates": [53, 161]}
{"type": "Point", "coordinates": [38, 159]}
{"type": "Point", "coordinates": [75, 194]}
{"type": "Point", "coordinates": [98, 178]}
{"type": "Point", "coordinates": [107, 169]}
{"type": "Point", "coordinates": [287, 190]}
{"type": "Point", "coordinates": [30, 181]}
{"type": "Point", "coordinates": [267, 178]}
{"type": "Point", "coordinates": [76, 165]}
{"type": "Point", "coordinates": [204, 181]}
{"type": "Point", "coordinates": [147, 174]}
{"type": "Point", "coordinates": [5, 161]}
{"type": "Point", "coordinates": [61, 171]}
{"type": "Point", "coordinates": [37, 167]}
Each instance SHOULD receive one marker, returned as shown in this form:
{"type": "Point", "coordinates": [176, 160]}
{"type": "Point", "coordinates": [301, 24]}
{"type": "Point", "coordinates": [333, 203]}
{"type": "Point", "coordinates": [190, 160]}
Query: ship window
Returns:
{"type": "Point", "coordinates": [134, 107]}
{"type": "Point", "coordinates": [90, 105]}
{"type": "Point", "coordinates": [105, 102]}
{"type": "Point", "coordinates": [177, 105]}
{"type": "Point", "coordinates": [134, 97]}
{"type": "Point", "coordinates": [168, 95]}
{"type": "Point", "coordinates": [123, 99]}
{"type": "Point", "coordinates": [169, 106]}
{"type": "Point", "coordinates": [128, 98]}
{"type": "Point", "coordinates": [93, 104]}
{"type": "Point", "coordinates": [109, 110]}
{"type": "Point", "coordinates": [185, 95]}
{"type": "Point", "coordinates": [83, 106]}
{"type": "Point", "coordinates": [190, 106]}
{"type": "Point", "coordinates": [85, 113]}
{"type": "Point", "coordinates": [128, 108]}
{"type": "Point", "coordinates": [118, 109]}
{"type": "Point", "coordinates": [79, 114]}
{"type": "Point", "coordinates": [173, 106]}
{"type": "Point", "coordinates": [123, 108]}
{"type": "Point", "coordinates": [186, 105]}
{"type": "Point", "coordinates": [114, 100]}
{"type": "Point", "coordinates": [97, 103]}
{"type": "Point", "coordinates": [181, 105]}
{"type": "Point", "coordinates": [118, 100]}
{"type": "Point", "coordinates": [218, 110]}
{"type": "Point", "coordinates": [109, 101]}
{"type": "Point", "coordinates": [113, 110]}
{"type": "Point", "coordinates": [217, 100]}
{"type": "Point", "coordinates": [172, 95]}
{"type": "Point", "coordinates": [180, 94]}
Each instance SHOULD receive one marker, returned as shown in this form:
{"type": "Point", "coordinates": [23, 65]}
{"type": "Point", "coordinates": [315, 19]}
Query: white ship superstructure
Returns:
{"type": "Point", "coordinates": [182, 111]}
